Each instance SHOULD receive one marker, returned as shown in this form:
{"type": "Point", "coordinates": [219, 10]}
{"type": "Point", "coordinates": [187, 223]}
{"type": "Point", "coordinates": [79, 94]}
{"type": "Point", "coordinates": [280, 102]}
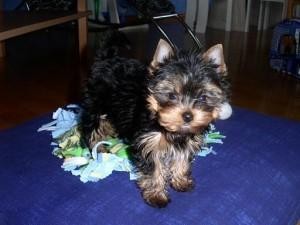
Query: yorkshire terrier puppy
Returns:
{"type": "Point", "coordinates": [162, 110]}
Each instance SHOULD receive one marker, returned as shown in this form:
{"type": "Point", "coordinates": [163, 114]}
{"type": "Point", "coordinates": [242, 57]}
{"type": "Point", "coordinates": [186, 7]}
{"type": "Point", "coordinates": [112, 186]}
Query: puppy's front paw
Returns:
{"type": "Point", "coordinates": [159, 199]}
{"type": "Point", "coordinates": [183, 185]}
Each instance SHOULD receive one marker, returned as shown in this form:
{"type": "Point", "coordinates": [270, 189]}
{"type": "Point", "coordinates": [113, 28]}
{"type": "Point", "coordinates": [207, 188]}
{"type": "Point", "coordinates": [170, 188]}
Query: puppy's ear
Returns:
{"type": "Point", "coordinates": [215, 55]}
{"type": "Point", "coordinates": [163, 50]}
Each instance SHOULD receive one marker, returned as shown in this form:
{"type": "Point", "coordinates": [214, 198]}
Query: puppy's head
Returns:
{"type": "Point", "coordinates": [187, 90]}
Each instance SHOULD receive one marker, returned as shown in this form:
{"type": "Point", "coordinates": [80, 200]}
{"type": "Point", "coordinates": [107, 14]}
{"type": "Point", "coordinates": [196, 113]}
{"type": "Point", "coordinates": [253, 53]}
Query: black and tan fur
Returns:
{"type": "Point", "coordinates": [161, 110]}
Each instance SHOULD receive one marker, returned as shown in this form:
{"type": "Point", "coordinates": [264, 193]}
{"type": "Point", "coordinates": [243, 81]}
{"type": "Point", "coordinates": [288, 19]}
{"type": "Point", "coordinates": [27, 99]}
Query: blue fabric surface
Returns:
{"type": "Point", "coordinates": [253, 180]}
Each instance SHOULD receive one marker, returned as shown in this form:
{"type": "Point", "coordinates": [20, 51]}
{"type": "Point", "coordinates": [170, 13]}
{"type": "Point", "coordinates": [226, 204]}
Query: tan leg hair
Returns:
{"type": "Point", "coordinates": [180, 167]}
{"type": "Point", "coordinates": [170, 164]}
{"type": "Point", "coordinates": [153, 186]}
{"type": "Point", "coordinates": [180, 170]}
{"type": "Point", "coordinates": [104, 130]}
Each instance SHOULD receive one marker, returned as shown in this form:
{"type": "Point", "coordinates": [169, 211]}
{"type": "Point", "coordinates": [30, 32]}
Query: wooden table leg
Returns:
{"type": "Point", "coordinates": [82, 37]}
{"type": "Point", "coordinates": [82, 30]}
{"type": "Point", "coordinates": [2, 49]}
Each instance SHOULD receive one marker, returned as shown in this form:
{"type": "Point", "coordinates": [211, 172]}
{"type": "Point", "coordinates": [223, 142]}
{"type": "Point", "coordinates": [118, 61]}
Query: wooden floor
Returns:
{"type": "Point", "coordinates": [42, 72]}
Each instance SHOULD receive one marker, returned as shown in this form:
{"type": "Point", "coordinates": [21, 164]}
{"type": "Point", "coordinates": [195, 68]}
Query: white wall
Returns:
{"type": "Point", "coordinates": [217, 14]}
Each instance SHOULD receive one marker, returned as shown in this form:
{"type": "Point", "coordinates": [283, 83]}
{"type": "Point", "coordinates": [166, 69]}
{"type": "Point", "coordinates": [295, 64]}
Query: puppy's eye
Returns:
{"type": "Point", "coordinates": [172, 96]}
{"type": "Point", "coordinates": [202, 99]}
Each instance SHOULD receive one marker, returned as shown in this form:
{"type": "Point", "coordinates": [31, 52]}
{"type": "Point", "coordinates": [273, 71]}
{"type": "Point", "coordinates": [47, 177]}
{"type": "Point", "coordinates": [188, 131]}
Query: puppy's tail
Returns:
{"type": "Point", "coordinates": [111, 43]}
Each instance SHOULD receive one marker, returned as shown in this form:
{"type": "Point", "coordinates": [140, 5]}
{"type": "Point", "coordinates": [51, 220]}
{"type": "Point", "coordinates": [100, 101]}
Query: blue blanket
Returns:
{"type": "Point", "coordinates": [253, 180]}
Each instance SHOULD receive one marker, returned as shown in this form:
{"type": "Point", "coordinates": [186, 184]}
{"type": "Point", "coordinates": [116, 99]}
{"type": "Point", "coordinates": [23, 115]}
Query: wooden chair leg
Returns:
{"type": "Point", "coordinates": [2, 49]}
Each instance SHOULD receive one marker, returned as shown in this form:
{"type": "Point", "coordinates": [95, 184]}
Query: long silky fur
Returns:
{"type": "Point", "coordinates": [117, 92]}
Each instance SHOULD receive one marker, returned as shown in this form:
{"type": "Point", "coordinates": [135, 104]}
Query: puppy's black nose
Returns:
{"type": "Point", "coordinates": [187, 117]}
